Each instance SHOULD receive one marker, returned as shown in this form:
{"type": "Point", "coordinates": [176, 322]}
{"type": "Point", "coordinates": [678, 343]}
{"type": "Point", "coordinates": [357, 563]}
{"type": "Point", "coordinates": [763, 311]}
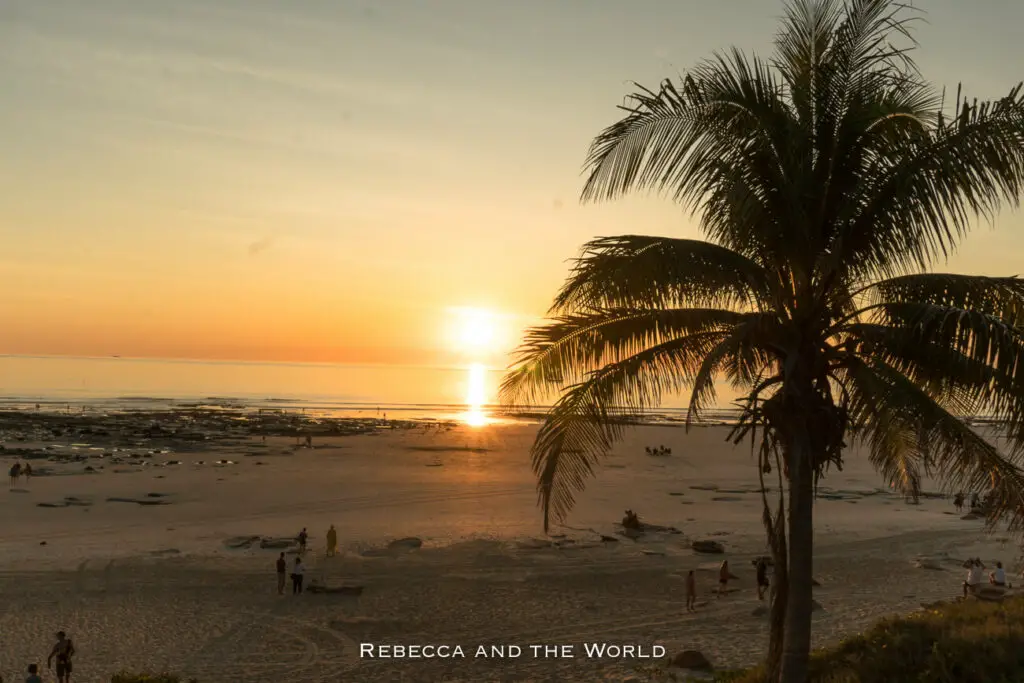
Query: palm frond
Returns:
{"type": "Point", "coordinates": [563, 351]}
{"type": "Point", "coordinates": [746, 356]}
{"type": "Point", "coordinates": [633, 271]}
{"type": "Point", "coordinates": [726, 131]}
{"type": "Point", "coordinates": [969, 360]}
{"type": "Point", "coordinates": [897, 453]}
{"type": "Point", "coordinates": [960, 457]}
{"type": "Point", "coordinates": [1002, 297]}
{"type": "Point", "coordinates": [586, 421]}
{"type": "Point", "coordinates": [979, 336]}
{"type": "Point", "coordinates": [925, 190]}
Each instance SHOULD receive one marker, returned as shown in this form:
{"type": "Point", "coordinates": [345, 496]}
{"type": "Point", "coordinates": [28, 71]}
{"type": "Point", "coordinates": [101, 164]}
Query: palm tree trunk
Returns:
{"type": "Point", "coordinates": [796, 646]}
{"type": "Point", "coordinates": [775, 527]}
{"type": "Point", "coordinates": [779, 597]}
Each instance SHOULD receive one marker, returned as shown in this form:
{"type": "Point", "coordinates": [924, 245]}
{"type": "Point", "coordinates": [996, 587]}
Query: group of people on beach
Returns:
{"type": "Point", "coordinates": [61, 653]}
{"type": "Point", "coordinates": [976, 576]}
{"type": "Point", "coordinates": [724, 576]}
{"type": "Point", "coordinates": [975, 579]}
{"type": "Point", "coordinates": [19, 470]}
{"type": "Point", "coordinates": [961, 499]}
{"type": "Point", "coordinates": [298, 569]}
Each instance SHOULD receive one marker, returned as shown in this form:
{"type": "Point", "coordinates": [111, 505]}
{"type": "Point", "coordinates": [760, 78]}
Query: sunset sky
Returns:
{"type": "Point", "coordinates": [328, 180]}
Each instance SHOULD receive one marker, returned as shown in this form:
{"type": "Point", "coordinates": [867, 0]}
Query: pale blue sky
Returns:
{"type": "Point", "coordinates": [303, 179]}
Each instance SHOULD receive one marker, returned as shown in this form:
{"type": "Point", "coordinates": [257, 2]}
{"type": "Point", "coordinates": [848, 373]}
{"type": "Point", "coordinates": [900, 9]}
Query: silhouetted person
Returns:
{"type": "Point", "coordinates": [762, 577]}
{"type": "Point", "coordinates": [332, 541]}
{"type": "Point", "coordinates": [298, 572]}
{"type": "Point", "coordinates": [723, 578]}
{"type": "Point", "coordinates": [33, 674]}
{"type": "Point", "coordinates": [958, 502]}
{"type": "Point", "coordinates": [282, 569]}
{"type": "Point", "coordinates": [26, 471]}
{"type": "Point", "coordinates": [62, 652]}
{"type": "Point", "coordinates": [631, 520]}
{"type": "Point", "coordinates": [15, 472]}
{"type": "Point", "coordinates": [303, 537]}
{"type": "Point", "coordinates": [691, 591]}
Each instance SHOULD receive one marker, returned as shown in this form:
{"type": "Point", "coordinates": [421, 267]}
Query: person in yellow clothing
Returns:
{"type": "Point", "coordinates": [332, 541]}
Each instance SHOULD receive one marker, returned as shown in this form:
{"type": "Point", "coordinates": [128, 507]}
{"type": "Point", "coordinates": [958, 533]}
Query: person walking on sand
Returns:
{"type": "Point", "coordinates": [302, 538]}
{"type": "Point", "coordinates": [282, 569]}
{"type": "Point", "coordinates": [298, 571]}
{"type": "Point", "coordinates": [723, 578]}
{"type": "Point", "coordinates": [63, 650]}
{"type": "Point", "coordinates": [332, 541]}
{"type": "Point", "coordinates": [762, 577]}
{"type": "Point", "coordinates": [691, 591]}
{"type": "Point", "coordinates": [33, 674]}
{"type": "Point", "coordinates": [15, 472]}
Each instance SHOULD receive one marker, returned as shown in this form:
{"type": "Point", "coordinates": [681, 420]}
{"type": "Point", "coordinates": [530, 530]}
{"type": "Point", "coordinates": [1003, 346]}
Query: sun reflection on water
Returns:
{"type": "Point", "coordinates": [476, 396]}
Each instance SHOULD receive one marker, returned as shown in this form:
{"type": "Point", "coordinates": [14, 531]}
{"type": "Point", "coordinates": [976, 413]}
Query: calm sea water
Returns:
{"type": "Point", "coordinates": [335, 389]}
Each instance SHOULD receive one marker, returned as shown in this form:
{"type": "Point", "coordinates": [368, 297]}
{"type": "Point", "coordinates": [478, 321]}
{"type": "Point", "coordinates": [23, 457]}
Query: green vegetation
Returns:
{"type": "Point", "coordinates": [966, 642]}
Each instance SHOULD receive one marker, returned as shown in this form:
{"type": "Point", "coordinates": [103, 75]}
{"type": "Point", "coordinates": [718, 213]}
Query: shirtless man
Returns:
{"type": "Point", "coordinates": [62, 651]}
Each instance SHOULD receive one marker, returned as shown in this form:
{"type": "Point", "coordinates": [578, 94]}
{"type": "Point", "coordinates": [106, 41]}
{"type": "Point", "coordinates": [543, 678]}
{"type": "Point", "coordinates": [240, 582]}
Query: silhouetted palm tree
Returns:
{"type": "Point", "coordinates": [828, 185]}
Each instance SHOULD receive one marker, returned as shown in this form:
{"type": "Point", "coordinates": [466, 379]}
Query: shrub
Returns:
{"type": "Point", "coordinates": [964, 642]}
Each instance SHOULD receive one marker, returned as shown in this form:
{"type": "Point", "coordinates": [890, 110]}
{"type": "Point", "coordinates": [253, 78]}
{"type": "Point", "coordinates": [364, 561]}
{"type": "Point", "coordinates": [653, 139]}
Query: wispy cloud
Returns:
{"type": "Point", "coordinates": [260, 246]}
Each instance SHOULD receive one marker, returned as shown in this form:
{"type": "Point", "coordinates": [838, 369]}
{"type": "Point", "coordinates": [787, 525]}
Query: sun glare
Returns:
{"type": "Point", "coordinates": [476, 330]}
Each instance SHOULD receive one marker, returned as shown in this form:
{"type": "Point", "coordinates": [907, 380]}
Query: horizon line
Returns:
{"type": "Point", "coordinates": [240, 361]}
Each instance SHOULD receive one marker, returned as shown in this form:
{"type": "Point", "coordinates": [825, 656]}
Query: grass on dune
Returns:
{"type": "Point", "coordinates": [964, 642]}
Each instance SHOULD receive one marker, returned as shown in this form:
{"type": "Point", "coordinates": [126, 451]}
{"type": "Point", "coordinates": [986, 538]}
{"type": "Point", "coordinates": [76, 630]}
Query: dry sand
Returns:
{"type": "Point", "coordinates": [154, 587]}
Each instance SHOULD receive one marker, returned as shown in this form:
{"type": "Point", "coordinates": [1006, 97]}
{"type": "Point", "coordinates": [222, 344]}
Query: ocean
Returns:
{"type": "Point", "coordinates": [411, 392]}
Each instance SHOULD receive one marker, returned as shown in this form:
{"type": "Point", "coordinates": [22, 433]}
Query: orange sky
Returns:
{"type": "Point", "coordinates": [261, 180]}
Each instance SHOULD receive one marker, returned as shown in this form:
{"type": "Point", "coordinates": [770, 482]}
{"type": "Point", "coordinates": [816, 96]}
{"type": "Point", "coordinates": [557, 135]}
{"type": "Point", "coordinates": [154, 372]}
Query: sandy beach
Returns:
{"type": "Point", "coordinates": [155, 586]}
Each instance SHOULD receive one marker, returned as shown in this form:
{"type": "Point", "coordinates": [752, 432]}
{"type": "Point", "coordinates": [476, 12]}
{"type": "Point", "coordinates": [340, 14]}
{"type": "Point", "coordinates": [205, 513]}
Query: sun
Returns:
{"type": "Point", "coordinates": [475, 330]}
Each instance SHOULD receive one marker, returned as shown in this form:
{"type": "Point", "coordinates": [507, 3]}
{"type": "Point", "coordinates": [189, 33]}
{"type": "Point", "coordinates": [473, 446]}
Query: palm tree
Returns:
{"type": "Point", "coordinates": [828, 185]}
